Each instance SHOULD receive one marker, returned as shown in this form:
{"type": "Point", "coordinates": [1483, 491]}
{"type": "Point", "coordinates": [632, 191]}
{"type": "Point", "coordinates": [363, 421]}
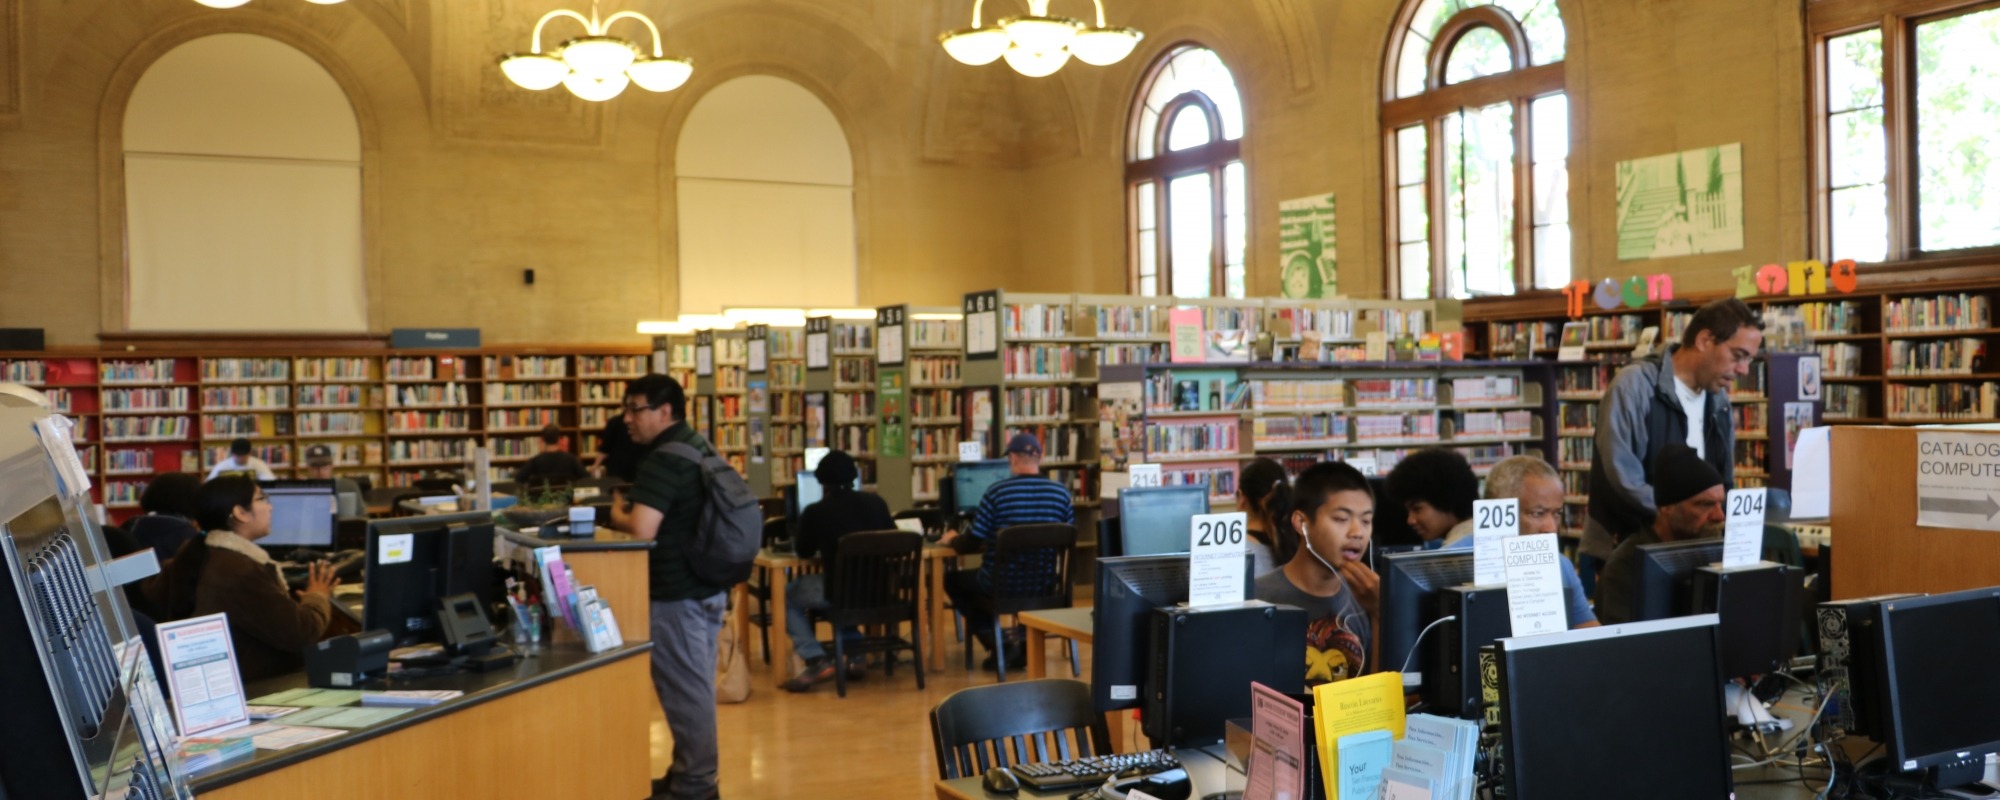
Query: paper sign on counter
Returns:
{"type": "Point", "coordinates": [200, 660]}
{"type": "Point", "coordinates": [1492, 521]}
{"type": "Point", "coordinates": [1215, 559]}
{"type": "Point", "coordinates": [1534, 584]}
{"type": "Point", "coordinates": [1743, 532]}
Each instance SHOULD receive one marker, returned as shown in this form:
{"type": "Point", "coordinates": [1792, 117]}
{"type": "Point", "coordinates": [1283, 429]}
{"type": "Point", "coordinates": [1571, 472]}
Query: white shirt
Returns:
{"type": "Point", "coordinates": [246, 464]}
{"type": "Point", "coordinates": [1695, 405]}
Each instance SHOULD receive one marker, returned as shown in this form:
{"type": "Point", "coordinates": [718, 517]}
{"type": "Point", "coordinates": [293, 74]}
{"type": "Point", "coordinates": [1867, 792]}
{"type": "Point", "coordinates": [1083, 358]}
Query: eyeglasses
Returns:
{"type": "Point", "coordinates": [261, 498]}
{"type": "Point", "coordinates": [632, 409]}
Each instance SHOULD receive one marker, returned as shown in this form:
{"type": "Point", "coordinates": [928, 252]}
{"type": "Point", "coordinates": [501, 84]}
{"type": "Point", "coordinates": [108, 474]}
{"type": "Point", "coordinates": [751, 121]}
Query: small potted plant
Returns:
{"type": "Point", "coordinates": [538, 505]}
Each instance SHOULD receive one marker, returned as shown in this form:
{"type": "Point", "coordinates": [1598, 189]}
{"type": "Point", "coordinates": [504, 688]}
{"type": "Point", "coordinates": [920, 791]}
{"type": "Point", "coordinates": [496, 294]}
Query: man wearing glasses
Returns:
{"type": "Point", "coordinates": [1536, 485]}
{"type": "Point", "coordinates": [666, 504]}
{"type": "Point", "coordinates": [1681, 397]}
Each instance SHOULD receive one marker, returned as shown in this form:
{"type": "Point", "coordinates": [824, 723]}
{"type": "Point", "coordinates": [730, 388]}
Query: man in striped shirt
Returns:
{"type": "Point", "coordinates": [1026, 498]}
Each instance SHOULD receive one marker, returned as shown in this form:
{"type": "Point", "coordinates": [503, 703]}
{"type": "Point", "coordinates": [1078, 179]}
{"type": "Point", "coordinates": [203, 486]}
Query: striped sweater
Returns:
{"type": "Point", "coordinates": [1020, 500]}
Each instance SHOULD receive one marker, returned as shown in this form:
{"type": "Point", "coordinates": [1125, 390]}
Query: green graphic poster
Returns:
{"type": "Point", "coordinates": [889, 404]}
{"type": "Point", "coordinates": [1681, 204]}
{"type": "Point", "coordinates": [1305, 248]}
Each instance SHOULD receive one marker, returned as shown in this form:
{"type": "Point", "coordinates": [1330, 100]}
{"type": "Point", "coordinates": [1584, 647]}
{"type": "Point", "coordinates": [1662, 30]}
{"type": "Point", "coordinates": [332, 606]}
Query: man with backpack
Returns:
{"type": "Point", "coordinates": [705, 526]}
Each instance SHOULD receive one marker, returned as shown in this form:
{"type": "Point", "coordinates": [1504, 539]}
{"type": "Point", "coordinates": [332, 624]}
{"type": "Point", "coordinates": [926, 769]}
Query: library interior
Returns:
{"type": "Point", "coordinates": [688, 399]}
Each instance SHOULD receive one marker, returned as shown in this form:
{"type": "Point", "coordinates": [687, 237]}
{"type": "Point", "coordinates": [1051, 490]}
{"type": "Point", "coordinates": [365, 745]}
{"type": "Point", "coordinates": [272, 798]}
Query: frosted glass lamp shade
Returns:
{"type": "Point", "coordinates": [975, 47]}
{"type": "Point", "coordinates": [596, 91]}
{"type": "Point", "coordinates": [1036, 65]}
{"type": "Point", "coordinates": [598, 57]}
{"type": "Point", "coordinates": [1040, 34]}
{"type": "Point", "coordinates": [1102, 47]}
{"type": "Point", "coordinates": [660, 74]}
{"type": "Point", "coordinates": [222, 3]}
{"type": "Point", "coordinates": [533, 70]}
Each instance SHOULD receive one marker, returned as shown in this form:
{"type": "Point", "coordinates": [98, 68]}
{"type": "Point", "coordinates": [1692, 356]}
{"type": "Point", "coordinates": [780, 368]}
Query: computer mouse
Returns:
{"type": "Point", "coordinates": [1001, 780]}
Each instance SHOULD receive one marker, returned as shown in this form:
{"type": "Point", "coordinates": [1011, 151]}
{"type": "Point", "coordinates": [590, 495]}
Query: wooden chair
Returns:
{"type": "Point", "coordinates": [1029, 565]}
{"type": "Point", "coordinates": [1004, 724]}
{"type": "Point", "coordinates": [875, 582]}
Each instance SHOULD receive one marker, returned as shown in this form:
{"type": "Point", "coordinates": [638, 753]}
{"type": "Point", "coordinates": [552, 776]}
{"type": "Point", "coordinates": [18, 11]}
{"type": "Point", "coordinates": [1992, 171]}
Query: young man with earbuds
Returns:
{"type": "Point", "coordinates": [1334, 513]}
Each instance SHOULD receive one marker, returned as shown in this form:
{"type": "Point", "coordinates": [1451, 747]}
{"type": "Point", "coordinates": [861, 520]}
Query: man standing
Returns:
{"type": "Point", "coordinates": [241, 462]}
{"type": "Point", "coordinates": [554, 464]}
{"type": "Point", "coordinates": [1025, 498]}
{"type": "Point", "coordinates": [667, 499]}
{"type": "Point", "coordinates": [1679, 398]}
{"type": "Point", "coordinates": [1691, 494]}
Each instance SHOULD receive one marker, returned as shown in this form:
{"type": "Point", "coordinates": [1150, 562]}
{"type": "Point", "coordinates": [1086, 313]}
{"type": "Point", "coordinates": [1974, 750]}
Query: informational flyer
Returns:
{"type": "Point", "coordinates": [1958, 480]}
{"type": "Point", "coordinates": [1492, 522]}
{"type": "Point", "coordinates": [200, 660]}
{"type": "Point", "coordinates": [1277, 746]}
{"type": "Point", "coordinates": [1215, 559]}
{"type": "Point", "coordinates": [1743, 528]}
{"type": "Point", "coordinates": [1534, 584]}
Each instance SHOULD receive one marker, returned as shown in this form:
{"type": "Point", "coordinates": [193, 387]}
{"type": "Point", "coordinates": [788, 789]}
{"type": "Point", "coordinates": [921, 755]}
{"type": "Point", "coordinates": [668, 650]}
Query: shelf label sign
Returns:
{"type": "Point", "coordinates": [1958, 480]}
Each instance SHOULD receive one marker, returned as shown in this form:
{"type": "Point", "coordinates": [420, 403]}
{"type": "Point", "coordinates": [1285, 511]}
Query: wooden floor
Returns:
{"type": "Point", "coordinates": [875, 743]}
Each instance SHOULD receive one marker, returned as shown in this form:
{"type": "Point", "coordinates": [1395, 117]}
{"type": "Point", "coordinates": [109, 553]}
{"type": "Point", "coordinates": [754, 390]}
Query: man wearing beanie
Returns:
{"type": "Point", "coordinates": [841, 510]}
{"type": "Point", "coordinates": [1681, 397]}
{"type": "Point", "coordinates": [1691, 494]}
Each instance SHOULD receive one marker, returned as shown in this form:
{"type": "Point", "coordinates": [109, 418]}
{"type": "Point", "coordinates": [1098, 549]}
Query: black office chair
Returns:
{"type": "Point", "coordinates": [1030, 570]}
{"type": "Point", "coordinates": [1003, 724]}
{"type": "Point", "coordinates": [875, 582]}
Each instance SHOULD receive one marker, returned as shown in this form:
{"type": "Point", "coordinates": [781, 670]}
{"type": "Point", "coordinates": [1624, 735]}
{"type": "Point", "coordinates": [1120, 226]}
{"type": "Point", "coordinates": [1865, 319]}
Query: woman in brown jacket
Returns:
{"type": "Point", "coordinates": [225, 571]}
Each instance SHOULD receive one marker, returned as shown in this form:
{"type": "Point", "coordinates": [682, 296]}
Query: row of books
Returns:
{"type": "Point", "coordinates": [1268, 395]}
{"type": "Point", "coordinates": [33, 373]}
{"type": "Point", "coordinates": [1839, 359]}
{"type": "Point", "coordinates": [731, 377]}
{"type": "Point", "coordinates": [1576, 452]}
{"type": "Point", "coordinates": [624, 366]}
{"type": "Point", "coordinates": [789, 405]}
{"type": "Point", "coordinates": [1936, 356]}
{"type": "Point", "coordinates": [1042, 402]}
{"type": "Point", "coordinates": [61, 401]}
{"type": "Point", "coordinates": [408, 369]}
{"type": "Point", "coordinates": [1750, 455]}
{"type": "Point", "coordinates": [218, 425]}
{"type": "Point", "coordinates": [854, 371]}
{"type": "Point", "coordinates": [1942, 312]}
{"type": "Point", "coordinates": [1524, 337]}
{"type": "Point", "coordinates": [601, 392]}
{"type": "Point", "coordinates": [786, 375]}
{"type": "Point", "coordinates": [1834, 319]}
{"type": "Point", "coordinates": [1621, 329]}
{"type": "Point", "coordinates": [118, 429]}
{"type": "Point", "coordinates": [406, 450]}
{"type": "Point", "coordinates": [1497, 423]}
{"type": "Point", "coordinates": [323, 422]}
{"type": "Point", "coordinates": [933, 442]}
{"type": "Point", "coordinates": [1038, 362]}
{"type": "Point", "coordinates": [419, 421]}
{"type": "Point", "coordinates": [1394, 391]}
{"type": "Point", "coordinates": [497, 393]}
{"type": "Point", "coordinates": [516, 447]}
{"type": "Point", "coordinates": [214, 370]}
{"type": "Point", "coordinates": [336, 394]}
{"type": "Point", "coordinates": [857, 440]}
{"type": "Point", "coordinates": [596, 417]}
{"type": "Point", "coordinates": [243, 397]}
{"type": "Point", "coordinates": [158, 370]}
{"type": "Point", "coordinates": [1279, 431]}
{"type": "Point", "coordinates": [732, 437]}
{"type": "Point", "coordinates": [1228, 318]}
{"type": "Point", "coordinates": [785, 344]}
{"type": "Point", "coordinates": [1845, 401]}
{"type": "Point", "coordinates": [934, 404]}
{"type": "Point", "coordinates": [1220, 480]}
{"type": "Point", "coordinates": [1331, 323]}
{"type": "Point", "coordinates": [1578, 416]}
{"type": "Point", "coordinates": [444, 394]}
{"type": "Point", "coordinates": [174, 399]}
{"type": "Point", "coordinates": [139, 460]}
{"type": "Point", "coordinates": [1116, 321]}
{"type": "Point", "coordinates": [788, 438]}
{"type": "Point", "coordinates": [499, 419]}
{"type": "Point", "coordinates": [526, 367]}
{"type": "Point", "coordinates": [854, 408]}
{"type": "Point", "coordinates": [1583, 377]}
{"type": "Point", "coordinates": [1192, 438]}
{"type": "Point", "coordinates": [279, 456]}
{"type": "Point", "coordinates": [1957, 401]}
{"type": "Point", "coordinates": [1576, 483]}
{"type": "Point", "coordinates": [1749, 419]}
{"type": "Point", "coordinates": [1037, 321]}
{"type": "Point", "coordinates": [852, 336]}
{"type": "Point", "coordinates": [1059, 442]}
{"type": "Point", "coordinates": [1166, 391]}
{"type": "Point", "coordinates": [1113, 354]}
{"type": "Point", "coordinates": [1486, 389]}
{"type": "Point", "coordinates": [334, 369]}
{"type": "Point", "coordinates": [1388, 427]}
{"type": "Point", "coordinates": [935, 370]}
{"type": "Point", "coordinates": [936, 333]}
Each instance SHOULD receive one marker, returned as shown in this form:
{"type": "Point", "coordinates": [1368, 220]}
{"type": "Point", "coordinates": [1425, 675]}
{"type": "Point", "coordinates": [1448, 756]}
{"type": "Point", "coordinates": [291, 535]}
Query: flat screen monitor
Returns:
{"type": "Point", "coordinates": [1592, 713]}
{"type": "Point", "coordinates": [413, 562]}
{"type": "Point", "coordinates": [1938, 654]}
{"type": "Point", "coordinates": [1128, 589]}
{"type": "Point", "coordinates": [969, 480]}
{"type": "Point", "coordinates": [1411, 586]}
{"type": "Point", "coordinates": [302, 514]}
{"type": "Point", "coordinates": [813, 455]}
{"type": "Point", "coordinates": [1155, 520]}
{"type": "Point", "coordinates": [810, 492]}
{"type": "Point", "coordinates": [1666, 577]}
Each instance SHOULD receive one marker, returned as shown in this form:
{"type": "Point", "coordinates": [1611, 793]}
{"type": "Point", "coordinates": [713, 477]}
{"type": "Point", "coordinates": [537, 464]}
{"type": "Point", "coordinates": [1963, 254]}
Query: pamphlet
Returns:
{"type": "Point", "coordinates": [1277, 746]}
{"type": "Point", "coordinates": [1185, 335]}
{"type": "Point", "coordinates": [1367, 703]}
{"type": "Point", "coordinates": [1363, 756]}
{"type": "Point", "coordinates": [1400, 785]}
{"type": "Point", "coordinates": [200, 661]}
{"type": "Point", "coordinates": [1534, 584]}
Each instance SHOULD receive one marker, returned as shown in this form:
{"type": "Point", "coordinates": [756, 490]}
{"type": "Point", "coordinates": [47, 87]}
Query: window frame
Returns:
{"type": "Point", "coordinates": [1212, 158]}
{"type": "Point", "coordinates": [1898, 21]}
{"type": "Point", "coordinates": [1519, 87]}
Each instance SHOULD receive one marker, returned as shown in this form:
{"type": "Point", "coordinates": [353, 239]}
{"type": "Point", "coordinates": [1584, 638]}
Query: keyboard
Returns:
{"type": "Point", "coordinates": [1046, 776]}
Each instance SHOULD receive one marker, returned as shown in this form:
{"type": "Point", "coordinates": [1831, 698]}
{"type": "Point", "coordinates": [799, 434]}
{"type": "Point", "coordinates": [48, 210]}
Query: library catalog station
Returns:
{"type": "Point", "coordinates": [999, 399]}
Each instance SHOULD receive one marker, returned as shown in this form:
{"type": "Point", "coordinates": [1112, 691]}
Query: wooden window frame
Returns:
{"type": "Point", "coordinates": [1897, 20]}
{"type": "Point", "coordinates": [1521, 86]}
{"type": "Point", "coordinates": [1212, 158]}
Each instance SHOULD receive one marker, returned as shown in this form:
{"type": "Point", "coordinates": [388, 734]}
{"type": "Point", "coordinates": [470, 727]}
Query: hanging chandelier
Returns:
{"type": "Point", "coordinates": [596, 66]}
{"type": "Point", "coordinates": [235, 3]}
{"type": "Point", "coordinates": [1038, 44]}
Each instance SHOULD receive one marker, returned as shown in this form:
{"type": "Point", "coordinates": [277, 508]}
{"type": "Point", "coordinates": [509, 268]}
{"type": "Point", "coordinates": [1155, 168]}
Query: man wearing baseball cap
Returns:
{"type": "Point", "coordinates": [319, 467]}
{"type": "Point", "coordinates": [1025, 498]}
{"type": "Point", "coordinates": [1690, 493]}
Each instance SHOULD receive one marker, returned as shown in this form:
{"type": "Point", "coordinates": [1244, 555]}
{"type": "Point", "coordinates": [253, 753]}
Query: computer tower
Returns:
{"type": "Point", "coordinates": [1759, 607]}
{"type": "Point", "coordinates": [1452, 675]}
{"type": "Point", "coordinates": [1203, 660]}
{"type": "Point", "coordinates": [1850, 644]}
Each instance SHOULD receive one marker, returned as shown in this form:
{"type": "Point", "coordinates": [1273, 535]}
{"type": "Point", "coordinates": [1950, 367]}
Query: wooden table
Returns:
{"type": "Point", "coordinates": [1074, 624]}
{"type": "Point", "coordinates": [930, 612]}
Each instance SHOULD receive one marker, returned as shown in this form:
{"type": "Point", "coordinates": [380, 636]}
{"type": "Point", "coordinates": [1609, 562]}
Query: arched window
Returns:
{"type": "Point", "coordinates": [1184, 179]}
{"type": "Point", "coordinates": [1476, 137]}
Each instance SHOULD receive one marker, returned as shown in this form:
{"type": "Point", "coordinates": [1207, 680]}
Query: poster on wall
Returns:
{"type": "Point", "coordinates": [894, 437]}
{"type": "Point", "coordinates": [1305, 248]}
{"type": "Point", "coordinates": [1681, 204]}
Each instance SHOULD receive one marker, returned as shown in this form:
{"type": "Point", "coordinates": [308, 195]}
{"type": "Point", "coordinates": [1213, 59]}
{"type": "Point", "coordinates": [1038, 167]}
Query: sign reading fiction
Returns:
{"type": "Point", "coordinates": [1958, 480]}
{"type": "Point", "coordinates": [889, 335]}
{"type": "Point", "coordinates": [982, 325]}
{"type": "Point", "coordinates": [819, 335]}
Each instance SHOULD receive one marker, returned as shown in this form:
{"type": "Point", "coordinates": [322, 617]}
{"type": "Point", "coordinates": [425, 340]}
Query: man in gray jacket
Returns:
{"type": "Point", "coordinates": [1681, 396]}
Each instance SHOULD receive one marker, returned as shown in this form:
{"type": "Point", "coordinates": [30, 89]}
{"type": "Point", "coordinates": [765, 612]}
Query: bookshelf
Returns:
{"type": "Point", "coordinates": [1030, 367]}
{"type": "Point", "coordinates": [927, 346]}
{"type": "Point", "coordinates": [786, 372]}
{"type": "Point", "coordinates": [851, 402]}
{"type": "Point", "coordinates": [728, 389]}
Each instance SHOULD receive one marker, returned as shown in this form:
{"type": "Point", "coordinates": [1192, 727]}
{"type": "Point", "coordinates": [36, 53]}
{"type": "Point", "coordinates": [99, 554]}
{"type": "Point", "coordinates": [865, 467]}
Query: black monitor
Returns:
{"type": "Point", "coordinates": [970, 479]}
{"type": "Point", "coordinates": [1666, 577]}
{"type": "Point", "coordinates": [1760, 605]}
{"type": "Point", "coordinates": [443, 555]}
{"type": "Point", "coordinates": [1943, 696]}
{"type": "Point", "coordinates": [1411, 585]}
{"type": "Point", "coordinates": [1592, 713]}
{"type": "Point", "coordinates": [1128, 589]}
{"type": "Point", "coordinates": [1155, 520]}
{"type": "Point", "coordinates": [302, 514]}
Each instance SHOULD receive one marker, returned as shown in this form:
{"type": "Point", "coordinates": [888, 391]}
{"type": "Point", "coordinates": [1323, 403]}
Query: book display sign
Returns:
{"type": "Point", "coordinates": [889, 321]}
{"type": "Point", "coordinates": [758, 347]}
{"type": "Point", "coordinates": [982, 325]}
{"type": "Point", "coordinates": [704, 354]}
{"type": "Point", "coordinates": [819, 345]}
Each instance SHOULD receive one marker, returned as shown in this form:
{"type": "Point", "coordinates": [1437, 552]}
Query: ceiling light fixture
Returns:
{"type": "Point", "coordinates": [1038, 44]}
{"type": "Point", "coordinates": [236, 3]}
{"type": "Point", "coordinates": [597, 66]}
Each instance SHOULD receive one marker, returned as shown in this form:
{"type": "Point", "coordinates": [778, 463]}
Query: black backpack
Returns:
{"type": "Point", "coordinates": [731, 526]}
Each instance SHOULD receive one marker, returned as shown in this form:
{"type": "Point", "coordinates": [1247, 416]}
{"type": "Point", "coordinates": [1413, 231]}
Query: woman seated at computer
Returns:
{"type": "Point", "coordinates": [225, 571]}
{"type": "Point", "coordinates": [1264, 493]}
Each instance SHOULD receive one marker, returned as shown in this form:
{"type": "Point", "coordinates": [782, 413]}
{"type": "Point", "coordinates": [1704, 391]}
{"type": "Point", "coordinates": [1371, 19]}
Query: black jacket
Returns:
{"type": "Point", "coordinates": [841, 512]}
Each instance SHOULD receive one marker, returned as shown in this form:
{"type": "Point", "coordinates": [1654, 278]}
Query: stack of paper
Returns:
{"type": "Point", "coordinates": [1363, 756]}
{"type": "Point", "coordinates": [262, 713]}
{"type": "Point", "coordinates": [409, 699]}
{"type": "Point", "coordinates": [348, 718]}
{"type": "Point", "coordinates": [317, 698]}
{"type": "Point", "coordinates": [1356, 705]}
{"type": "Point", "coordinates": [272, 736]}
{"type": "Point", "coordinates": [208, 753]}
{"type": "Point", "coordinates": [557, 592]}
{"type": "Point", "coordinates": [1458, 742]}
{"type": "Point", "coordinates": [599, 627]}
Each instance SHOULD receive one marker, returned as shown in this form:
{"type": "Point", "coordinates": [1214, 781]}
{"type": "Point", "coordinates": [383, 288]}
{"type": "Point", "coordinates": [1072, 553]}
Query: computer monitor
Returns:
{"type": "Point", "coordinates": [413, 562]}
{"type": "Point", "coordinates": [1410, 588]}
{"type": "Point", "coordinates": [808, 491]}
{"type": "Point", "coordinates": [1653, 715]}
{"type": "Point", "coordinates": [813, 456]}
{"type": "Point", "coordinates": [969, 480]}
{"type": "Point", "coordinates": [1155, 520]}
{"type": "Point", "coordinates": [1666, 577]}
{"type": "Point", "coordinates": [302, 514]}
{"type": "Point", "coordinates": [1128, 589]}
{"type": "Point", "coordinates": [1760, 606]}
{"type": "Point", "coordinates": [1944, 697]}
